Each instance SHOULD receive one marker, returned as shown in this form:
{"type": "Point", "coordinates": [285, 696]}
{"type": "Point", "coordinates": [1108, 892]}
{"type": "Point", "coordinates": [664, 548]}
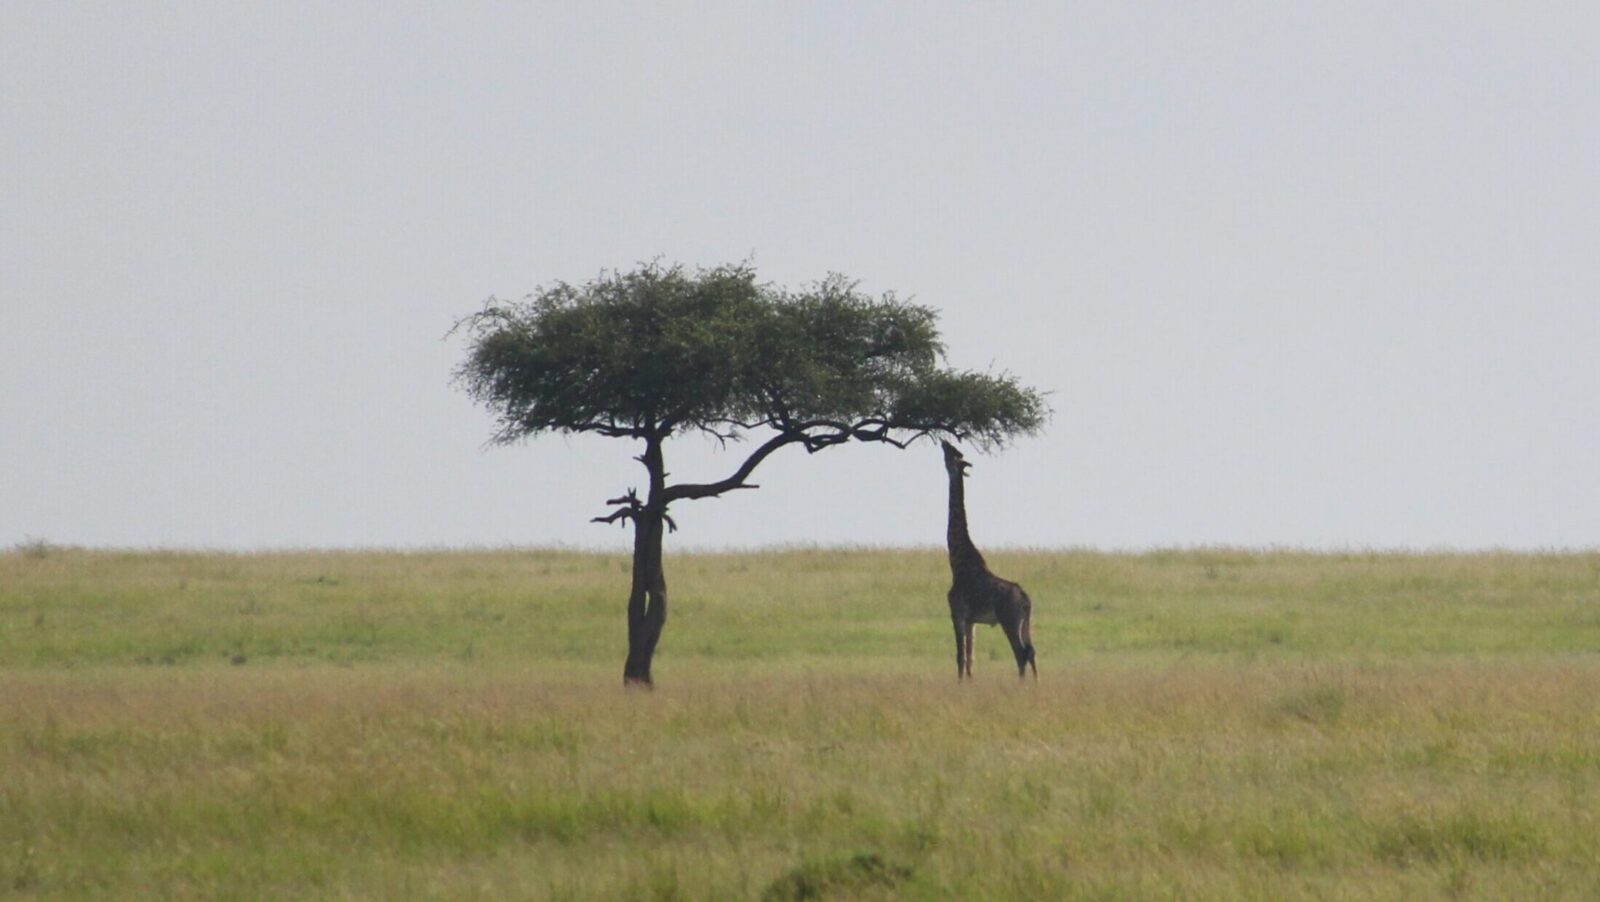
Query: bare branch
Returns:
{"type": "Point", "coordinates": [814, 435]}
{"type": "Point", "coordinates": [625, 513]}
{"type": "Point", "coordinates": [629, 509]}
{"type": "Point", "coordinates": [691, 491]}
{"type": "Point", "coordinates": [631, 499]}
{"type": "Point", "coordinates": [722, 438]}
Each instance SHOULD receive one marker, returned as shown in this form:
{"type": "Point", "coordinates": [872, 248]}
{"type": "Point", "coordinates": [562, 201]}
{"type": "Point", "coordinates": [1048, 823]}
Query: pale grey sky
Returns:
{"type": "Point", "coordinates": [1297, 274]}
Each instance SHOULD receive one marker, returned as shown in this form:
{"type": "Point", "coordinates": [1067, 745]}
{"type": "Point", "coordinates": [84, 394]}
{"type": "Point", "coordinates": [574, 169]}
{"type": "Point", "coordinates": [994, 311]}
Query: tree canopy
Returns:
{"type": "Point", "coordinates": [661, 350]}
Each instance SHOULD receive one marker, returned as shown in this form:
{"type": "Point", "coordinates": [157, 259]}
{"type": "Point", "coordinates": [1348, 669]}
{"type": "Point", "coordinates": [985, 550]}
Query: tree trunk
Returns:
{"type": "Point", "coordinates": [647, 600]}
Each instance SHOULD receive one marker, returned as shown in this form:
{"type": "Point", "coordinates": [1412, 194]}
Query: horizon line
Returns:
{"type": "Point", "coordinates": [36, 547]}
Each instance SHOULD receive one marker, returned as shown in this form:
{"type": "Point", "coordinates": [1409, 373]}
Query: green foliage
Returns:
{"type": "Point", "coordinates": [992, 405]}
{"type": "Point", "coordinates": [624, 352]}
{"type": "Point", "coordinates": [660, 350]}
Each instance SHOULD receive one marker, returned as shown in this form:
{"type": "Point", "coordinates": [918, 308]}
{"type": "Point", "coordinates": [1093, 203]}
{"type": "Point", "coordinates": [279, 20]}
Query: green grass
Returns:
{"type": "Point", "coordinates": [1210, 724]}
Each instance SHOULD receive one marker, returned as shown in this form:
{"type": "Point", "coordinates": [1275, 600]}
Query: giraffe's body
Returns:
{"type": "Point", "coordinates": [976, 595]}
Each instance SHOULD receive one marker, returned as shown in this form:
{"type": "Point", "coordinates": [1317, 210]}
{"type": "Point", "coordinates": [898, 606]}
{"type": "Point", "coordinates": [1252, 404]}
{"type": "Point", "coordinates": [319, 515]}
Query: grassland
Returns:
{"type": "Point", "coordinates": [1207, 724]}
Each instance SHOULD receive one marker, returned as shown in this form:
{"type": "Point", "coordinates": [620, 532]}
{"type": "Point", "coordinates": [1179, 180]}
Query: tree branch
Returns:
{"type": "Point", "coordinates": [691, 491]}
{"type": "Point", "coordinates": [837, 433]}
{"type": "Point", "coordinates": [630, 509]}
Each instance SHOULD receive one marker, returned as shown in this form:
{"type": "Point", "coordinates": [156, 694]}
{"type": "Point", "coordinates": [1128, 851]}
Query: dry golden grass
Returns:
{"type": "Point", "coordinates": [1209, 724]}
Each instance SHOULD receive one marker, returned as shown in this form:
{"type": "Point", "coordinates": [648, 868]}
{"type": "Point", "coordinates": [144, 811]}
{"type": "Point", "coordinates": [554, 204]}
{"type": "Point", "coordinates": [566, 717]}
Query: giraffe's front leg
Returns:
{"type": "Point", "coordinates": [962, 665]}
{"type": "Point", "coordinates": [969, 627]}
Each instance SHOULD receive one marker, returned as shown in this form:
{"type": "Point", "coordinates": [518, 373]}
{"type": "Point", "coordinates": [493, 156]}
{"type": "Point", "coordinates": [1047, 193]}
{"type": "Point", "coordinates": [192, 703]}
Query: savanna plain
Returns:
{"type": "Point", "coordinates": [1206, 724]}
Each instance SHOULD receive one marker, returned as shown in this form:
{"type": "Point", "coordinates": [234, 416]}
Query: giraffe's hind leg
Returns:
{"type": "Point", "coordinates": [1026, 632]}
{"type": "Point", "coordinates": [1022, 651]}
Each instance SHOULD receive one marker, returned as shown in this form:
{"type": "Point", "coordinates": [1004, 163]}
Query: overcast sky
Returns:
{"type": "Point", "coordinates": [1321, 275]}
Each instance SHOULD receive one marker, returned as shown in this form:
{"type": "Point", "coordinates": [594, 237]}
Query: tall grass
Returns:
{"type": "Point", "coordinates": [1213, 724]}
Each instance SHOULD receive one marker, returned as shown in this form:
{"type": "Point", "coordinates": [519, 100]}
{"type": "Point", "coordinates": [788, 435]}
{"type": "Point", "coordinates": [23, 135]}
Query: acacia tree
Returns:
{"type": "Point", "coordinates": [662, 351]}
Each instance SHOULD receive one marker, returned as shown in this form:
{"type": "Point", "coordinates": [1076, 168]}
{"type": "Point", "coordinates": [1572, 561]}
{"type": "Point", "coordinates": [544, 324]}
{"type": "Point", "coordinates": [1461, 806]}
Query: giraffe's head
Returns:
{"type": "Point", "coordinates": [954, 462]}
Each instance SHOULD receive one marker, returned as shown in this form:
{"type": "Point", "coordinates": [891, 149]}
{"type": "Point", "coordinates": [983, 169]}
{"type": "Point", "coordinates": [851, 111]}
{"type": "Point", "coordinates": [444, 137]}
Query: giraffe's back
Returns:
{"type": "Point", "coordinates": [988, 599]}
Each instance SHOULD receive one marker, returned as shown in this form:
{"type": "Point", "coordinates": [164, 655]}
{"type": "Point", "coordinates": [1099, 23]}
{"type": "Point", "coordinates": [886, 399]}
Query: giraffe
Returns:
{"type": "Point", "coordinates": [976, 595]}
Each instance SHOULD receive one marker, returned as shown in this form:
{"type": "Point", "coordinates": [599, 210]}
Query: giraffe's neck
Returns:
{"type": "Point", "coordinates": [964, 556]}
